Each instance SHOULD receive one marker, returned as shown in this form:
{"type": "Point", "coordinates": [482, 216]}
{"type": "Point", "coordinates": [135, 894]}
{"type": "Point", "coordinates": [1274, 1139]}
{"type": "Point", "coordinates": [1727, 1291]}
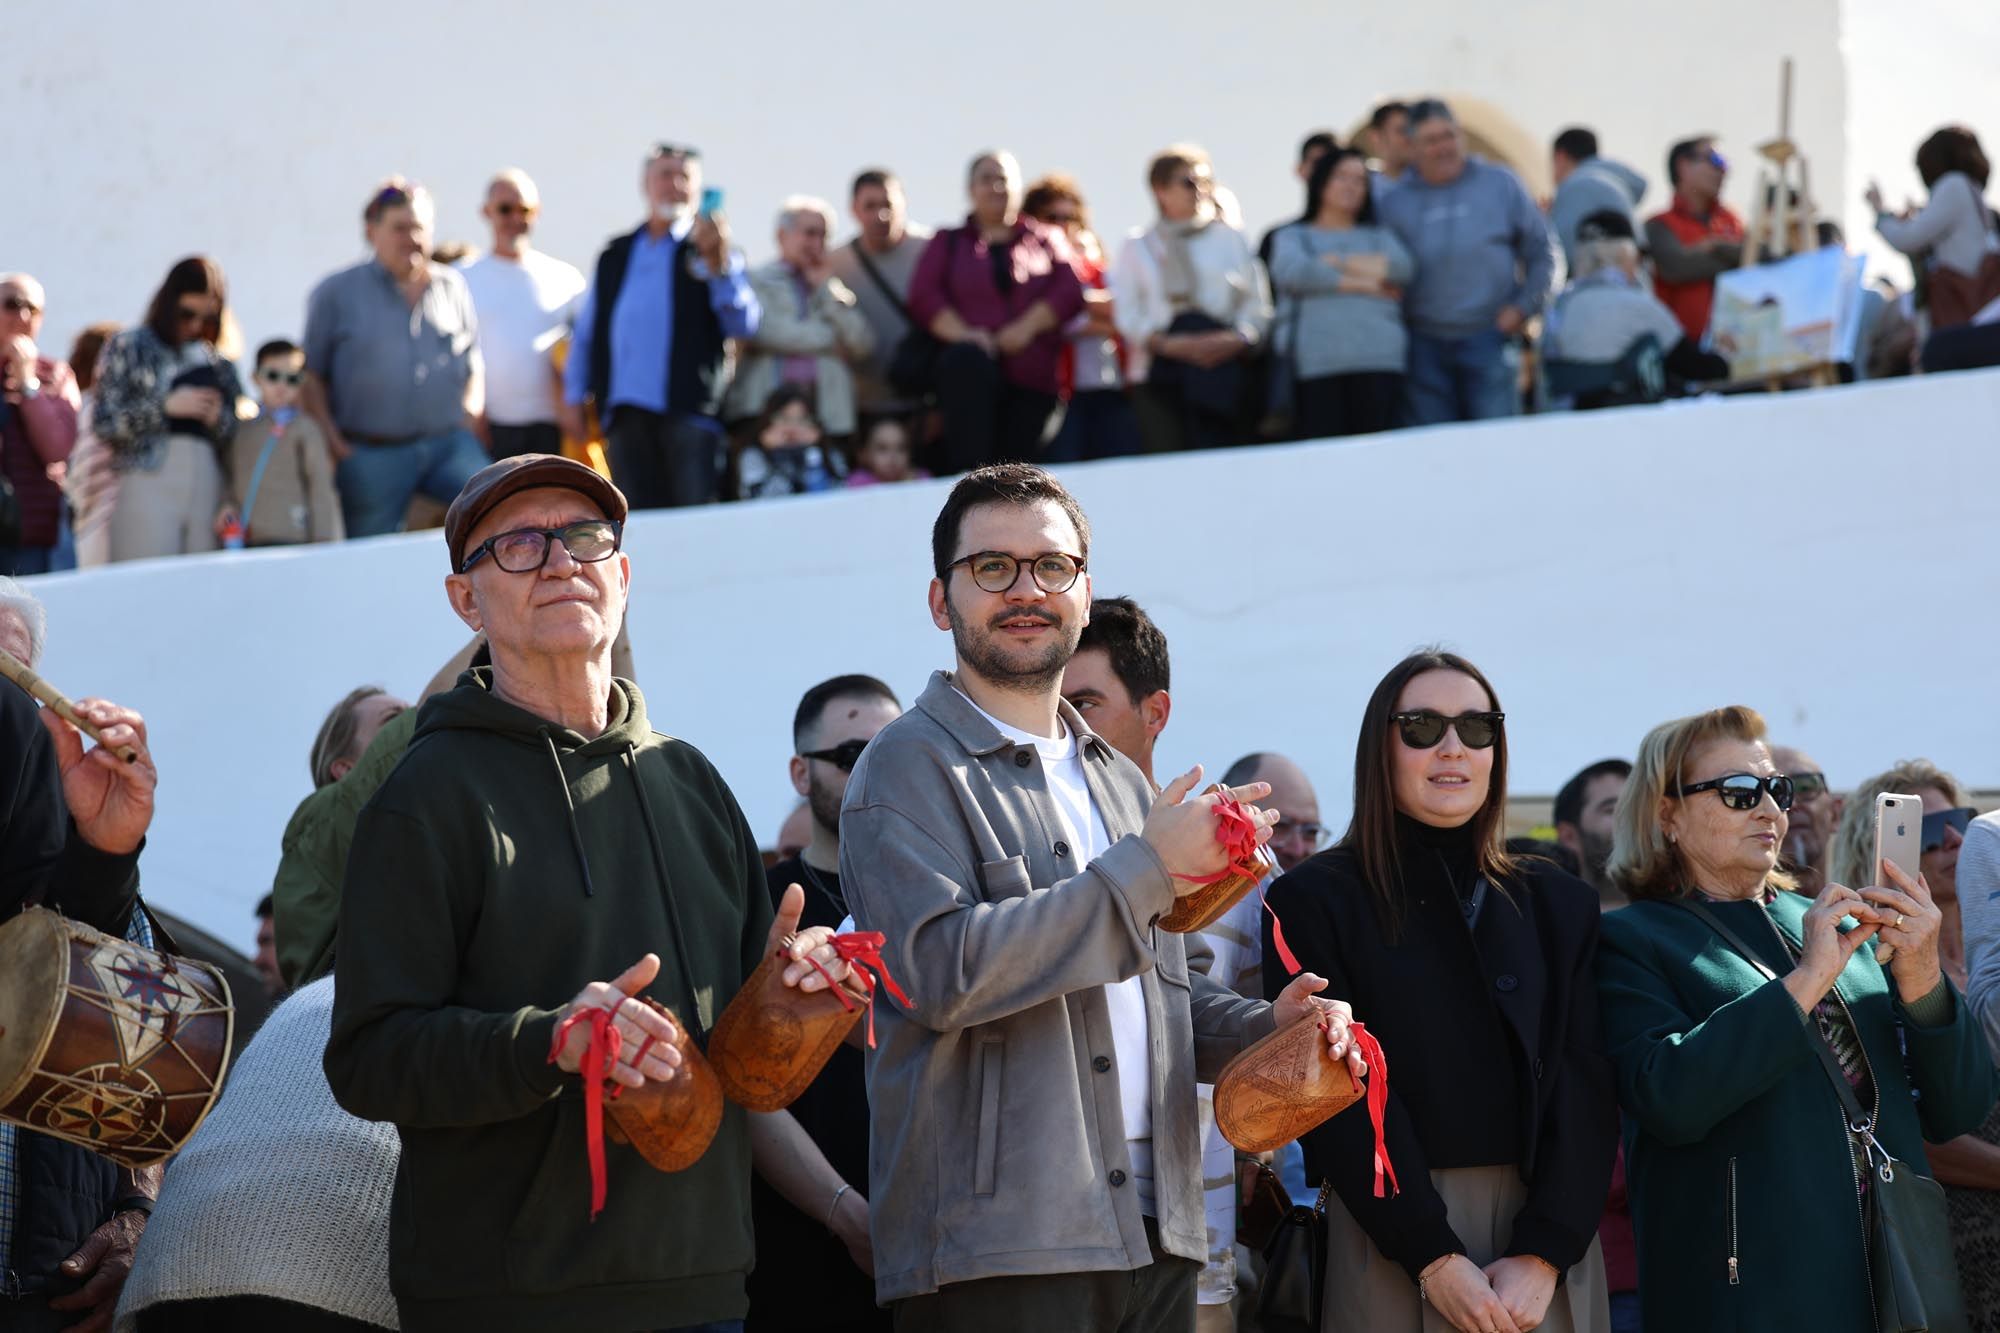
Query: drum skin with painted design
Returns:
{"type": "Point", "coordinates": [107, 1044]}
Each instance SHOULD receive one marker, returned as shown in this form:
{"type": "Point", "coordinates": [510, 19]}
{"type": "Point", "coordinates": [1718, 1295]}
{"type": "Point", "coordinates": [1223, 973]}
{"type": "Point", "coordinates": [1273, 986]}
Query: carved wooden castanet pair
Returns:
{"type": "Point", "coordinates": [1281, 1087]}
{"type": "Point", "coordinates": [107, 1044]}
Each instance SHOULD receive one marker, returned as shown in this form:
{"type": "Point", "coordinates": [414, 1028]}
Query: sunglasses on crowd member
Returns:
{"type": "Point", "coordinates": [1424, 728]}
{"type": "Point", "coordinates": [843, 756]}
{"type": "Point", "coordinates": [996, 571]}
{"type": "Point", "coordinates": [510, 209]}
{"type": "Point", "coordinates": [1938, 821]}
{"type": "Point", "coordinates": [21, 305]}
{"type": "Point", "coordinates": [273, 375]}
{"type": "Point", "coordinates": [1808, 786]}
{"type": "Point", "coordinates": [1743, 791]}
{"type": "Point", "coordinates": [525, 550]}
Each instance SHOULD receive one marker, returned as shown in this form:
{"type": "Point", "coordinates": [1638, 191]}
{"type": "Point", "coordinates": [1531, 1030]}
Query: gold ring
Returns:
{"type": "Point", "coordinates": [1899, 921]}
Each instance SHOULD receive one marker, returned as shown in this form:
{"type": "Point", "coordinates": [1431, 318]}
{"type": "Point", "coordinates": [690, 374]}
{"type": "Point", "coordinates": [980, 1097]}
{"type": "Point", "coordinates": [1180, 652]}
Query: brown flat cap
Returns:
{"type": "Point", "coordinates": [523, 472]}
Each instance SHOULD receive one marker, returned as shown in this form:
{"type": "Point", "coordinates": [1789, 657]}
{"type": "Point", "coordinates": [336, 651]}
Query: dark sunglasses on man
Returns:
{"type": "Point", "coordinates": [1424, 728]}
{"type": "Point", "coordinates": [526, 550]}
{"type": "Point", "coordinates": [1743, 791]}
{"type": "Point", "coordinates": [21, 305]}
{"type": "Point", "coordinates": [509, 210]}
{"type": "Point", "coordinates": [843, 756]}
{"type": "Point", "coordinates": [1938, 821]}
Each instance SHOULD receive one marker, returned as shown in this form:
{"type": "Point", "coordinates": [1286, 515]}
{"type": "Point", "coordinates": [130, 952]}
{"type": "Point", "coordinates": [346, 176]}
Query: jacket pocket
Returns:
{"type": "Point", "coordinates": [1005, 879]}
{"type": "Point", "coordinates": [1171, 962]}
{"type": "Point", "coordinates": [986, 1165]}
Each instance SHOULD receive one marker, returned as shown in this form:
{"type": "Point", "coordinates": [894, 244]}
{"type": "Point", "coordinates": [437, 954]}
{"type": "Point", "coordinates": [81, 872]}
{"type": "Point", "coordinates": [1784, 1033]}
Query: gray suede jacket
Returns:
{"type": "Point", "coordinates": [997, 1146]}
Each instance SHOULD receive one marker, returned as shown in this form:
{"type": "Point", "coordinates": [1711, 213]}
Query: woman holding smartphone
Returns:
{"type": "Point", "coordinates": [165, 407]}
{"type": "Point", "coordinates": [1728, 1003]}
{"type": "Point", "coordinates": [1474, 970]}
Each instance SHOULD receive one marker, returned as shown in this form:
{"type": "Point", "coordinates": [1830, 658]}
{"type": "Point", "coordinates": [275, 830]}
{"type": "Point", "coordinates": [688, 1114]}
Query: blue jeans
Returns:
{"type": "Point", "coordinates": [1097, 423]}
{"type": "Point", "coordinates": [378, 481]}
{"type": "Point", "coordinates": [1461, 379]}
{"type": "Point", "coordinates": [21, 561]}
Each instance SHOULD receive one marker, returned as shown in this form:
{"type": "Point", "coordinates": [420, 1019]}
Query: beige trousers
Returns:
{"type": "Point", "coordinates": [170, 511]}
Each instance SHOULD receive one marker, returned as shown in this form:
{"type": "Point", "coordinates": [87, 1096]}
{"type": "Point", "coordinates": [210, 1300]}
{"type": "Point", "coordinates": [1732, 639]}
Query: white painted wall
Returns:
{"type": "Point", "coordinates": [1608, 571]}
{"type": "Point", "coordinates": [138, 133]}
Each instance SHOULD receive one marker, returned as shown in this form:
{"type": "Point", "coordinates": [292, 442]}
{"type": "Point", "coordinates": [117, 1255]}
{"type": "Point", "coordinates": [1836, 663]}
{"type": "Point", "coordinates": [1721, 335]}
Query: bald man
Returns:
{"type": "Point", "coordinates": [1299, 833]}
{"type": "Point", "coordinates": [525, 301]}
{"type": "Point", "coordinates": [1814, 816]}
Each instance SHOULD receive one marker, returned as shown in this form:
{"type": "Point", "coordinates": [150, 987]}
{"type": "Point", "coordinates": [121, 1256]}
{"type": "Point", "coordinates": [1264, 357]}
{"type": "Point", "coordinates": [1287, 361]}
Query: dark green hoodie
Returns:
{"type": "Point", "coordinates": [506, 864]}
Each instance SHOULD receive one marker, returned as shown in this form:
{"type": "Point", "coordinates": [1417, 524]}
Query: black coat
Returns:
{"type": "Point", "coordinates": [1490, 1035]}
{"type": "Point", "coordinates": [66, 1191]}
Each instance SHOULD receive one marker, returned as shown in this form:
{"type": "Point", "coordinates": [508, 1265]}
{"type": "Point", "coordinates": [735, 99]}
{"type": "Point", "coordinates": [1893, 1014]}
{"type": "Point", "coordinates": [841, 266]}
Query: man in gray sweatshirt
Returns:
{"type": "Point", "coordinates": [1484, 262]}
{"type": "Point", "coordinates": [1586, 184]}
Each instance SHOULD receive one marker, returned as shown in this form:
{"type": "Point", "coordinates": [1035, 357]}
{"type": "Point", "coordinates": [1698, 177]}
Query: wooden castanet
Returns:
{"type": "Point", "coordinates": [1281, 1087]}
{"type": "Point", "coordinates": [773, 1039]}
{"type": "Point", "coordinates": [1203, 907]}
{"type": "Point", "coordinates": [107, 1044]}
{"type": "Point", "coordinates": [671, 1124]}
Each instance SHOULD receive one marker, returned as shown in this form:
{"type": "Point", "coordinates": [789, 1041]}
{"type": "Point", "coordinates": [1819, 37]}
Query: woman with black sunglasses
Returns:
{"type": "Point", "coordinates": [1474, 970]}
{"type": "Point", "coordinates": [1731, 1007]}
{"type": "Point", "coordinates": [166, 406]}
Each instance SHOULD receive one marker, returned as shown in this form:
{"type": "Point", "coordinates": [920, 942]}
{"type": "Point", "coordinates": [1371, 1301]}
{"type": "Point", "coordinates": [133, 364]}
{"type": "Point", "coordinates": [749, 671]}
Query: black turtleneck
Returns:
{"type": "Point", "coordinates": [1482, 1024]}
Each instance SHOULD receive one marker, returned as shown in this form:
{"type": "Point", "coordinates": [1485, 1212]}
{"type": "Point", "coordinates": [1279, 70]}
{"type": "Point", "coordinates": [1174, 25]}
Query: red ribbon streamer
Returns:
{"type": "Point", "coordinates": [862, 949]}
{"type": "Point", "coordinates": [599, 1056]}
{"type": "Point", "coordinates": [1378, 1103]}
{"type": "Point", "coordinates": [1237, 833]}
{"type": "Point", "coordinates": [1377, 1082]}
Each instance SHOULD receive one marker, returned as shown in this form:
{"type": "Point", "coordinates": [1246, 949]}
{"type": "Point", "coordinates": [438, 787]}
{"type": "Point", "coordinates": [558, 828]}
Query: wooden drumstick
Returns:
{"type": "Point", "coordinates": [14, 669]}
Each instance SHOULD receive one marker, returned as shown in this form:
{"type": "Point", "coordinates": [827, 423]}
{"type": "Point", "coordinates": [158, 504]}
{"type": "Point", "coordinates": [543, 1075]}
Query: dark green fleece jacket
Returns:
{"type": "Point", "coordinates": [504, 865]}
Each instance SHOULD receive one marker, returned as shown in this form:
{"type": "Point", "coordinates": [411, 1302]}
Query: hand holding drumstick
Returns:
{"type": "Point", "coordinates": [109, 791]}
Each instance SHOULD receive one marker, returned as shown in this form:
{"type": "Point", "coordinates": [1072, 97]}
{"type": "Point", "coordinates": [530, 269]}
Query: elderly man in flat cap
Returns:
{"type": "Point", "coordinates": [542, 852]}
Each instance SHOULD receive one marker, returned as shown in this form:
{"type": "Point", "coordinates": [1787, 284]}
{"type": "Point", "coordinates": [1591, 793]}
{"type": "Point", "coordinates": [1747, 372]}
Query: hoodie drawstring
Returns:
{"type": "Point", "coordinates": [569, 804]}
{"type": "Point", "coordinates": [667, 893]}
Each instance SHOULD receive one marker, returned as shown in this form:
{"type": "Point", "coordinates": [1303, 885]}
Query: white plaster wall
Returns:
{"type": "Point", "coordinates": [1607, 570]}
{"type": "Point", "coordinates": [138, 132]}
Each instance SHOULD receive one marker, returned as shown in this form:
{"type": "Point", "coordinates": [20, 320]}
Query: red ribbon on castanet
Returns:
{"type": "Point", "coordinates": [1237, 832]}
{"type": "Point", "coordinates": [862, 950]}
{"type": "Point", "coordinates": [600, 1055]}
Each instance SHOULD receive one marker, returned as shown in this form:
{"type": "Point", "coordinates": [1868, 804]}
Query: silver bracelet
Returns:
{"type": "Point", "coordinates": [835, 1205]}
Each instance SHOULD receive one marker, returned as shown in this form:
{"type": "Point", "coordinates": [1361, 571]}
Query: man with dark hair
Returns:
{"type": "Point", "coordinates": [652, 340]}
{"type": "Point", "coordinates": [1117, 682]}
{"type": "Point", "coordinates": [266, 959]}
{"type": "Point", "coordinates": [1697, 238]}
{"type": "Point", "coordinates": [1314, 147]}
{"type": "Point", "coordinates": [1484, 263]}
{"type": "Point", "coordinates": [1019, 867]}
{"type": "Point", "coordinates": [1587, 184]}
{"type": "Point", "coordinates": [1584, 823]}
{"type": "Point", "coordinates": [823, 1277]}
{"type": "Point", "coordinates": [876, 266]}
{"type": "Point", "coordinates": [1389, 141]}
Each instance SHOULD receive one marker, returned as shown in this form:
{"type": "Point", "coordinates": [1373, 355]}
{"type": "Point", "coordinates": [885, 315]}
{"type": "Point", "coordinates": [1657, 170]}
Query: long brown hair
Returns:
{"type": "Point", "coordinates": [197, 275]}
{"type": "Point", "coordinates": [1371, 834]}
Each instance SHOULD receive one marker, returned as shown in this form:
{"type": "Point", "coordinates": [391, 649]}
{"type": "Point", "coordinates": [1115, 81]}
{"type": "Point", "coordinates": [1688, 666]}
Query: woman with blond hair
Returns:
{"type": "Point", "coordinates": [1730, 1008]}
{"type": "Point", "coordinates": [1969, 1166]}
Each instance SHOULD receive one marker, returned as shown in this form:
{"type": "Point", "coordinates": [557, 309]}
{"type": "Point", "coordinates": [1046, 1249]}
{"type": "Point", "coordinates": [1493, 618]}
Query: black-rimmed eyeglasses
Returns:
{"type": "Point", "coordinates": [525, 550]}
{"type": "Point", "coordinates": [843, 756]}
{"type": "Point", "coordinates": [996, 571]}
{"type": "Point", "coordinates": [1743, 791]}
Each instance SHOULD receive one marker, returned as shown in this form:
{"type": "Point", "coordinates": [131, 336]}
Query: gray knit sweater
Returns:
{"type": "Point", "coordinates": [280, 1193]}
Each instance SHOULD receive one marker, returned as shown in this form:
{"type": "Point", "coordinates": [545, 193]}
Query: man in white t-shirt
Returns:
{"type": "Point", "coordinates": [525, 301]}
{"type": "Point", "coordinates": [1035, 1148]}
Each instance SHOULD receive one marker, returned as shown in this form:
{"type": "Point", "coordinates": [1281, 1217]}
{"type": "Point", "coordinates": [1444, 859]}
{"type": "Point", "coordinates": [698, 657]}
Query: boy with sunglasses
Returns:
{"type": "Point", "coordinates": [279, 489]}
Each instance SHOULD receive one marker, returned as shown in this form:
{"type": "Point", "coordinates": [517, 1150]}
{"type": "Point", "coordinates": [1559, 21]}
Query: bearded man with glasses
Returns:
{"type": "Point", "coordinates": [540, 841]}
{"type": "Point", "coordinates": [1035, 1153]}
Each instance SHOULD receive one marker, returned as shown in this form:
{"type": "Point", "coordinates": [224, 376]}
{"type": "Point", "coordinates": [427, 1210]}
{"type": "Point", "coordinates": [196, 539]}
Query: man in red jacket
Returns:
{"type": "Point", "coordinates": [1696, 238]}
{"type": "Point", "coordinates": [38, 404]}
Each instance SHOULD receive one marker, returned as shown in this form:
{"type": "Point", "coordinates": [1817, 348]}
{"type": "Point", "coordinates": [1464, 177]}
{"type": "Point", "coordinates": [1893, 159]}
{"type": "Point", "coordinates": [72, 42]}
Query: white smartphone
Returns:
{"type": "Point", "coordinates": [1899, 837]}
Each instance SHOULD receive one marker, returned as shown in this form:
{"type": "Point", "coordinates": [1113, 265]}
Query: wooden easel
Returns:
{"type": "Point", "coordinates": [1768, 237]}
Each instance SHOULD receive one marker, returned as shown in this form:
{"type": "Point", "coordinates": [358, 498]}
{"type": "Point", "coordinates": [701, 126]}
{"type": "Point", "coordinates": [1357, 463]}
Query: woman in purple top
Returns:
{"type": "Point", "coordinates": [997, 293]}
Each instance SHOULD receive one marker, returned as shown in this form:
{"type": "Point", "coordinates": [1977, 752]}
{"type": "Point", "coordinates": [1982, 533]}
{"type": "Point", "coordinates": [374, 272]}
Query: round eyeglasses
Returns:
{"type": "Point", "coordinates": [525, 550]}
{"type": "Point", "coordinates": [996, 571]}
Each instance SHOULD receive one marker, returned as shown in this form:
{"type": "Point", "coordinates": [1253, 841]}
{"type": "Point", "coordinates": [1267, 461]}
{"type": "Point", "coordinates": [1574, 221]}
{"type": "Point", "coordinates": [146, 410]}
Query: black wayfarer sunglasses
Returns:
{"type": "Point", "coordinates": [843, 756]}
{"type": "Point", "coordinates": [1424, 728]}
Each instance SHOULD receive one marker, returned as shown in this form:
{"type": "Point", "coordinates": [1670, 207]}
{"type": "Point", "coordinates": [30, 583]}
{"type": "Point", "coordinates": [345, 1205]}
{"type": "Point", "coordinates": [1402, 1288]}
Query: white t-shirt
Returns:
{"type": "Point", "coordinates": [1083, 829]}
{"type": "Point", "coordinates": [524, 307]}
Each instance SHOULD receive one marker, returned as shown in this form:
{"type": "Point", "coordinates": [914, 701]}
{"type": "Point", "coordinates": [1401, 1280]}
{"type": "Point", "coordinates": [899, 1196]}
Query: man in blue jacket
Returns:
{"type": "Point", "coordinates": [1484, 263]}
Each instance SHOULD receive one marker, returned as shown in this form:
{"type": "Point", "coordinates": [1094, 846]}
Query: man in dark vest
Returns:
{"type": "Point", "coordinates": [651, 345]}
